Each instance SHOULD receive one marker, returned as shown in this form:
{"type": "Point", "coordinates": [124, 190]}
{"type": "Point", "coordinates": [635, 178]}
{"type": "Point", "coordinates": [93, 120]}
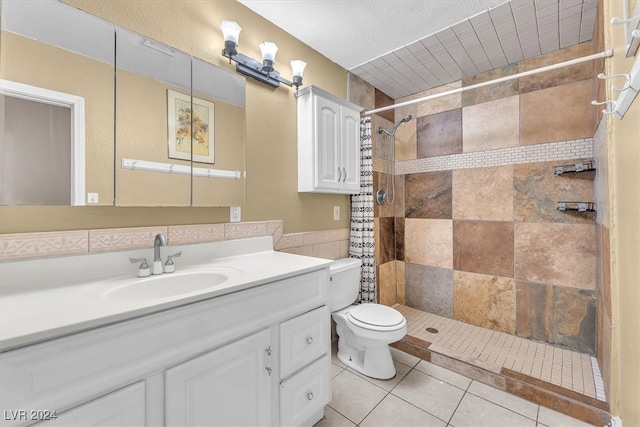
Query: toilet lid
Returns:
{"type": "Point", "coordinates": [376, 315]}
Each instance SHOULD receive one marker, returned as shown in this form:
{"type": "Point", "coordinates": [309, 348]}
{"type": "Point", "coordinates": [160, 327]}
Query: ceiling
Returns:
{"type": "Point", "coordinates": [403, 47]}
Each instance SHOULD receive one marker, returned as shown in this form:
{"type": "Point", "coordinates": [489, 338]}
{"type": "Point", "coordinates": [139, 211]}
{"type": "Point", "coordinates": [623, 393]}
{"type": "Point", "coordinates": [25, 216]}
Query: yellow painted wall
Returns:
{"type": "Point", "coordinates": [271, 140]}
{"type": "Point", "coordinates": [624, 198]}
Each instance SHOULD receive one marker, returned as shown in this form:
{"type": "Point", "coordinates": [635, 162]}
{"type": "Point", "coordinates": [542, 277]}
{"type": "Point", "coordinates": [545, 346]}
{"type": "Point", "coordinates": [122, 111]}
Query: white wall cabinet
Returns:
{"type": "Point", "coordinates": [328, 143]}
{"type": "Point", "coordinates": [216, 362]}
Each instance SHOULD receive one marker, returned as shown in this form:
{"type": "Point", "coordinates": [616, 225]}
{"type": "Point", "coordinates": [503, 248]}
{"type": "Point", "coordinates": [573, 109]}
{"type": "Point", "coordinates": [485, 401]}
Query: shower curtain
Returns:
{"type": "Point", "coordinates": [361, 239]}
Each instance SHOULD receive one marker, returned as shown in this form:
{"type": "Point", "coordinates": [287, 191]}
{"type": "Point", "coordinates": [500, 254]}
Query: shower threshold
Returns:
{"type": "Point", "coordinates": [564, 380]}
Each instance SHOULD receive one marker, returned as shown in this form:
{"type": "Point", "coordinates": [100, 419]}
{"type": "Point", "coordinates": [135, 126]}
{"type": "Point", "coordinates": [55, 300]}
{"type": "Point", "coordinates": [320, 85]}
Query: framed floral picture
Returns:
{"type": "Point", "coordinates": [190, 127]}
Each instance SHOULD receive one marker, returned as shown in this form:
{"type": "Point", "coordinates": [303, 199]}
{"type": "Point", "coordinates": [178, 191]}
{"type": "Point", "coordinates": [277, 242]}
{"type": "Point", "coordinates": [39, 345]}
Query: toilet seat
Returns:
{"type": "Point", "coordinates": [376, 317]}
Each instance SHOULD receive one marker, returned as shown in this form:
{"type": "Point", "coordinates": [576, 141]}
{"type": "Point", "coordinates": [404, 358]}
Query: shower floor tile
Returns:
{"type": "Point", "coordinates": [493, 350]}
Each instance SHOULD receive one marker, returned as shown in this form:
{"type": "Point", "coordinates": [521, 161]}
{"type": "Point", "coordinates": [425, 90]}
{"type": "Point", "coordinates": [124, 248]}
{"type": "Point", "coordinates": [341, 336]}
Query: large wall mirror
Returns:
{"type": "Point", "coordinates": [43, 61]}
{"type": "Point", "coordinates": [168, 130]}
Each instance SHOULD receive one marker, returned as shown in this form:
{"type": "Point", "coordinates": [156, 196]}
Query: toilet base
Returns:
{"type": "Point", "coordinates": [374, 362]}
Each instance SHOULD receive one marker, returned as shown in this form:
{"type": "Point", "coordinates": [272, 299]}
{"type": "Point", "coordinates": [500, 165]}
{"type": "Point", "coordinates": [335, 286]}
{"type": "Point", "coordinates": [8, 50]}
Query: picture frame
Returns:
{"type": "Point", "coordinates": [190, 126]}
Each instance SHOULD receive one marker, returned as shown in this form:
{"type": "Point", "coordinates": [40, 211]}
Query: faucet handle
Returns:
{"type": "Point", "coordinates": [168, 266]}
{"type": "Point", "coordinates": [144, 270]}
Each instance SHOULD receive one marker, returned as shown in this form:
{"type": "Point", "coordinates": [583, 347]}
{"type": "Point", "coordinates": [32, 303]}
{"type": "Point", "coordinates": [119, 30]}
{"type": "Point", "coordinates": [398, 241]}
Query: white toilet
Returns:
{"type": "Point", "coordinates": [365, 330]}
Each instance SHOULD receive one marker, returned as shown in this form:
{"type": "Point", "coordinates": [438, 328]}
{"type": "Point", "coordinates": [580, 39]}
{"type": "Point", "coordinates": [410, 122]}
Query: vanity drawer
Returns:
{"type": "Point", "coordinates": [303, 339]}
{"type": "Point", "coordinates": [305, 394]}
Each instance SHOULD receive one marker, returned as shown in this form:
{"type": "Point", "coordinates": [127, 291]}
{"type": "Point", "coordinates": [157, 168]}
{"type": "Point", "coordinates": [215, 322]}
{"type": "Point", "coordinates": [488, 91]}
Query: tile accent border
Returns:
{"type": "Point", "coordinates": [330, 243]}
{"type": "Point", "coordinates": [562, 150]}
{"type": "Point", "coordinates": [28, 245]}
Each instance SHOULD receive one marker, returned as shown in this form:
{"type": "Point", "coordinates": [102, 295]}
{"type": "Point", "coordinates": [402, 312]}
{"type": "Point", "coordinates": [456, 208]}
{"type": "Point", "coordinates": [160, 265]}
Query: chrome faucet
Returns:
{"type": "Point", "coordinates": [157, 242]}
{"type": "Point", "coordinates": [157, 261]}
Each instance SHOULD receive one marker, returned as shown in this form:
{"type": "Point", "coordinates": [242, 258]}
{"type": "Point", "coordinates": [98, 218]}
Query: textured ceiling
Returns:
{"type": "Point", "coordinates": [403, 47]}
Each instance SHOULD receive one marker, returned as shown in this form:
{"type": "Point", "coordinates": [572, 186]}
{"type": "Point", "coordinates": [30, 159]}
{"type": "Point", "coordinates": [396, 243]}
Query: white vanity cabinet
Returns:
{"type": "Point", "coordinates": [258, 356]}
{"type": "Point", "coordinates": [121, 408]}
{"type": "Point", "coordinates": [227, 386]}
{"type": "Point", "coordinates": [328, 143]}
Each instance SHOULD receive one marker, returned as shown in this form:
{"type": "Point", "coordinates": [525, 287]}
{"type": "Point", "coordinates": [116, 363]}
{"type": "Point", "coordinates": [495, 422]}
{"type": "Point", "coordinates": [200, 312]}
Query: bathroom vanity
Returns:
{"type": "Point", "coordinates": [252, 350]}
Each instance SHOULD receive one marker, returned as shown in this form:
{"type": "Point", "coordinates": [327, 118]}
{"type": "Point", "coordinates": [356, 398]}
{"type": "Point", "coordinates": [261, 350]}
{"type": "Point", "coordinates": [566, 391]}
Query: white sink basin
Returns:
{"type": "Point", "coordinates": [168, 285]}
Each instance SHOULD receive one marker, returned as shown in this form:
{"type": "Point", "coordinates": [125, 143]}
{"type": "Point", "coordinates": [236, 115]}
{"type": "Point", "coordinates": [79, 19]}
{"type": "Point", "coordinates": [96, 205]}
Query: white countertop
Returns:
{"type": "Point", "coordinates": [32, 311]}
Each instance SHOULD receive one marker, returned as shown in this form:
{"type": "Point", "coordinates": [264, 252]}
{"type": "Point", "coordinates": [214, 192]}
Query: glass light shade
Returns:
{"type": "Point", "coordinates": [268, 50]}
{"type": "Point", "coordinates": [297, 67]}
{"type": "Point", "coordinates": [230, 31]}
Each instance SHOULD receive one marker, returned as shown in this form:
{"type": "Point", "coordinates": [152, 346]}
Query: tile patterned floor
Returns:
{"type": "Point", "coordinates": [424, 394]}
{"type": "Point", "coordinates": [493, 350]}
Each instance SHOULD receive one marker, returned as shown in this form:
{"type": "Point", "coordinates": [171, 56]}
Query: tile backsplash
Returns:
{"type": "Point", "coordinates": [330, 244]}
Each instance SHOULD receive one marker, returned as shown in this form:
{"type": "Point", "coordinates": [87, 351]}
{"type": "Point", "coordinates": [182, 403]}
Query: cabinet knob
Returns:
{"type": "Point", "coordinates": [309, 340]}
{"type": "Point", "coordinates": [309, 396]}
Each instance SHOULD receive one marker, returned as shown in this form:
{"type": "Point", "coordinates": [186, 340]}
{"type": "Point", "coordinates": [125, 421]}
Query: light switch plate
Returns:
{"type": "Point", "coordinates": [235, 214]}
{"type": "Point", "coordinates": [336, 213]}
{"type": "Point", "coordinates": [92, 198]}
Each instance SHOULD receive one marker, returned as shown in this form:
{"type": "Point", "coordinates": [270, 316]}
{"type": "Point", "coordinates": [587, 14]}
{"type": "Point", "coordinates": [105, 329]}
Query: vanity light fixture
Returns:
{"type": "Point", "coordinates": [261, 71]}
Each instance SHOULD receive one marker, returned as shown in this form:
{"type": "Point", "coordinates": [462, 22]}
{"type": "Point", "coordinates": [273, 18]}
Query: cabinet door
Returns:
{"type": "Point", "coordinates": [229, 386]}
{"type": "Point", "coordinates": [124, 407]}
{"type": "Point", "coordinates": [328, 166]}
{"type": "Point", "coordinates": [350, 150]}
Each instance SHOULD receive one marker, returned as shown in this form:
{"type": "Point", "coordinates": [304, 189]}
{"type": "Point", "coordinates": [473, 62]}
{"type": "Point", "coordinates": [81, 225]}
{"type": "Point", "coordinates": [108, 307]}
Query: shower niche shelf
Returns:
{"type": "Point", "coordinates": [586, 166]}
{"type": "Point", "coordinates": [577, 206]}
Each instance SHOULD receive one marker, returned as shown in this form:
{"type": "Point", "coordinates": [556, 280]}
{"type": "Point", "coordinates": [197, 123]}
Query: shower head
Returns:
{"type": "Point", "coordinates": [404, 120]}
{"type": "Point", "coordinates": [401, 122]}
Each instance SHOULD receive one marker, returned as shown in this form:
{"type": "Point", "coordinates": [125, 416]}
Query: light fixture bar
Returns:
{"type": "Point", "coordinates": [252, 68]}
{"type": "Point", "coordinates": [261, 71]}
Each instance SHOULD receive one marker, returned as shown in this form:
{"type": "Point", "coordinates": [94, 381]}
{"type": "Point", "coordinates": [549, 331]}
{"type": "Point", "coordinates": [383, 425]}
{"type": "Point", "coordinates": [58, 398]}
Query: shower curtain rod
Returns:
{"type": "Point", "coordinates": [604, 54]}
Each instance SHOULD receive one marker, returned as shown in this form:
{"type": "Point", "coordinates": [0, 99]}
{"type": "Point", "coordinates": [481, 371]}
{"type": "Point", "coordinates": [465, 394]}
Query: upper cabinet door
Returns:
{"type": "Point", "coordinates": [328, 151]}
{"type": "Point", "coordinates": [351, 150]}
{"type": "Point", "coordinates": [328, 143]}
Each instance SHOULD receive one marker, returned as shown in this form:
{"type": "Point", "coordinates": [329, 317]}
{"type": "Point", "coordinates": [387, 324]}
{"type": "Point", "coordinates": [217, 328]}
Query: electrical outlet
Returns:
{"type": "Point", "coordinates": [92, 197]}
{"type": "Point", "coordinates": [336, 213]}
{"type": "Point", "coordinates": [235, 214]}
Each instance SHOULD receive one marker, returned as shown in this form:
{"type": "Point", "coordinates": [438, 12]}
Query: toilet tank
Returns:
{"type": "Point", "coordinates": [345, 282]}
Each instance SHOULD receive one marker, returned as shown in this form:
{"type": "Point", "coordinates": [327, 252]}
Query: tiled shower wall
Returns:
{"type": "Point", "coordinates": [475, 234]}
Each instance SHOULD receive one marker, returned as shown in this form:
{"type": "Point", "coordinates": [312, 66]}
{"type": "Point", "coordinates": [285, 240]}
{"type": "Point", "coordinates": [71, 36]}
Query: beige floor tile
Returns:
{"type": "Point", "coordinates": [335, 370]}
{"type": "Point", "coordinates": [430, 394]}
{"type": "Point", "coordinates": [551, 418]}
{"type": "Point", "coordinates": [388, 385]}
{"type": "Point", "coordinates": [499, 397]}
{"type": "Point", "coordinates": [393, 411]}
{"type": "Point", "coordinates": [404, 358]}
{"type": "Point", "coordinates": [354, 397]}
{"type": "Point", "coordinates": [333, 419]}
{"type": "Point", "coordinates": [477, 412]}
{"type": "Point", "coordinates": [443, 374]}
